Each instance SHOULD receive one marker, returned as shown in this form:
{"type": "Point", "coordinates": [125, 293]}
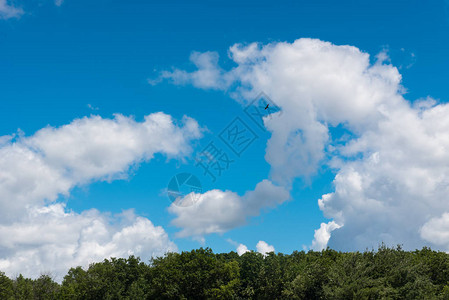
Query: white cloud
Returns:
{"type": "Point", "coordinates": [317, 85]}
{"type": "Point", "coordinates": [398, 186]}
{"type": "Point", "coordinates": [436, 230]}
{"type": "Point", "coordinates": [219, 211]}
{"type": "Point", "coordinates": [323, 234]}
{"type": "Point", "coordinates": [8, 11]}
{"type": "Point", "coordinates": [242, 249]}
{"type": "Point", "coordinates": [49, 239]}
{"type": "Point", "coordinates": [208, 76]}
{"type": "Point", "coordinates": [393, 164]}
{"type": "Point", "coordinates": [39, 168]}
{"type": "Point", "coordinates": [264, 248]}
{"type": "Point", "coordinates": [36, 232]}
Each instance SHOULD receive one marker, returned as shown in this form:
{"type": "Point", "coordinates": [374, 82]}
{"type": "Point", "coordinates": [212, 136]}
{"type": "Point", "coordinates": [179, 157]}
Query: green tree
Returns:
{"type": "Point", "coordinates": [6, 287]}
{"type": "Point", "coordinates": [44, 288]}
{"type": "Point", "coordinates": [23, 288]}
{"type": "Point", "coordinates": [388, 273]}
{"type": "Point", "coordinates": [197, 274]}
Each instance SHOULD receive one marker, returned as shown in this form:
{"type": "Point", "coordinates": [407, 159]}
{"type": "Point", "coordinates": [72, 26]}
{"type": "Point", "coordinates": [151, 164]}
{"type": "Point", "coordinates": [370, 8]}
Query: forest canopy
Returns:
{"type": "Point", "coordinates": [388, 273]}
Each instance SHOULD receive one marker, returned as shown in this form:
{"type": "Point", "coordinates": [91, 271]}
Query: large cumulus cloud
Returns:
{"type": "Point", "coordinates": [391, 163]}
{"type": "Point", "coordinates": [37, 233]}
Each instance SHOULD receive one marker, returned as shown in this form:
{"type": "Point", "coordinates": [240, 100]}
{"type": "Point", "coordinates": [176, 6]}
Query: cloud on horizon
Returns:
{"type": "Point", "coordinates": [37, 231]}
{"type": "Point", "coordinates": [262, 247]}
{"type": "Point", "coordinates": [392, 167]}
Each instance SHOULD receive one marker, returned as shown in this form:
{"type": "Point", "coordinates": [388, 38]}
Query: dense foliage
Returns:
{"type": "Point", "coordinates": [200, 274]}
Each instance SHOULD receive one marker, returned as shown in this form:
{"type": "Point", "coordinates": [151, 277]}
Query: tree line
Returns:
{"type": "Point", "coordinates": [387, 273]}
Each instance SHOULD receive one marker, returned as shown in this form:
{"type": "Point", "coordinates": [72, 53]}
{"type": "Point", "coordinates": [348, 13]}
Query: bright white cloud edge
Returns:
{"type": "Point", "coordinates": [392, 163]}
{"type": "Point", "coordinates": [219, 211]}
{"type": "Point", "coordinates": [37, 233]}
{"type": "Point", "coordinates": [262, 247]}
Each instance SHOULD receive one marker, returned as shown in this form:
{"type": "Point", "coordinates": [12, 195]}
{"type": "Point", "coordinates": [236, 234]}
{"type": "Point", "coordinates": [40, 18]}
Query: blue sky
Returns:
{"type": "Point", "coordinates": [80, 58]}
